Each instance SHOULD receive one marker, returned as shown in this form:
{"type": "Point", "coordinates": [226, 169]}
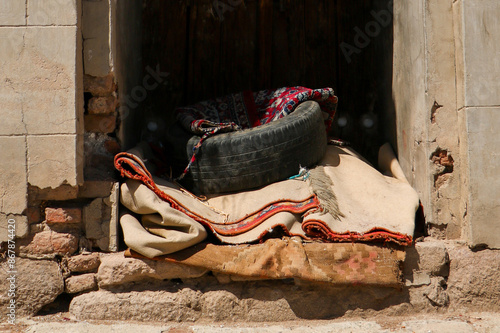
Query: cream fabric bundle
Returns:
{"type": "Point", "coordinates": [367, 206]}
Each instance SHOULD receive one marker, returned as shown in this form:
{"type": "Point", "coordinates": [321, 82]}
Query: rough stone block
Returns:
{"type": "Point", "coordinates": [418, 278]}
{"type": "Point", "coordinates": [430, 256]}
{"type": "Point", "coordinates": [50, 113]}
{"type": "Point", "coordinates": [48, 244]}
{"type": "Point", "coordinates": [95, 189]}
{"type": "Point", "coordinates": [96, 223]}
{"type": "Point", "coordinates": [96, 14]}
{"type": "Point", "coordinates": [429, 296]}
{"type": "Point", "coordinates": [12, 103]}
{"type": "Point", "coordinates": [114, 203]}
{"type": "Point", "coordinates": [64, 228]}
{"type": "Point", "coordinates": [102, 105]}
{"type": "Point", "coordinates": [483, 154]}
{"type": "Point", "coordinates": [100, 124]}
{"type": "Point", "coordinates": [80, 283]}
{"type": "Point", "coordinates": [12, 12]}
{"type": "Point", "coordinates": [39, 59]}
{"type": "Point", "coordinates": [426, 263]}
{"type": "Point", "coordinates": [99, 85]}
{"type": "Point", "coordinates": [45, 73]}
{"type": "Point", "coordinates": [96, 46]}
{"type": "Point", "coordinates": [13, 193]}
{"type": "Point", "coordinates": [20, 222]}
{"type": "Point", "coordinates": [11, 47]}
{"type": "Point", "coordinates": [96, 55]}
{"type": "Point", "coordinates": [84, 263]}
{"type": "Point", "coordinates": [474, 280]}
{"type": "Point", "coordinates": [115, 270]}
{"type": "Point", "coordinates": [149, 306]}
{"type": "Point", "coordinates": [37, 283]}
{"type": "Point", "coordinates": [63, 215]}
{"type": "Point", "coordinates": [53, 161]}
{"type": "Point", "coordinates": [63, 192]}
{"type": "Point", "coordinates": [50, 55]}
{"type": "Point", "coordinates": [52, 12]}
{"type": "Point", "coordinates": [481, 31]}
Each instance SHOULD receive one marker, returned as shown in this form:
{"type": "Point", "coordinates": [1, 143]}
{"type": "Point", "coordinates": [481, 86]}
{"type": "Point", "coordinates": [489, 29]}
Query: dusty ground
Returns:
{"type": "Point", "coordinates": [423, 323]}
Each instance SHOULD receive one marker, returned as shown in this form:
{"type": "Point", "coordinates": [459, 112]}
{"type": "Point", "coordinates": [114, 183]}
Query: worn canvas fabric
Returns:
{"type": "Point", "coordinates": [369, 207]}
{"type": "Point", "coordinates": [336, 263]}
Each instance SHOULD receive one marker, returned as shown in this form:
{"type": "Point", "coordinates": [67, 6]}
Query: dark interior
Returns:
{"type": "Point", "coordinates": [212, 48]}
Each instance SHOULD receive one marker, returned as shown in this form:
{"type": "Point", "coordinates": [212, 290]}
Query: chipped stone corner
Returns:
{"type": "Point", "coordinates": [101, 221]}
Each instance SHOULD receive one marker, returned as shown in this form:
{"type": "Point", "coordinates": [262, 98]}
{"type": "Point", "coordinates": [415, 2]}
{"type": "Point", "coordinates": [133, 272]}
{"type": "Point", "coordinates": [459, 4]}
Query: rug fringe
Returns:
{"type": "Point", "coordinates": [322, 186]}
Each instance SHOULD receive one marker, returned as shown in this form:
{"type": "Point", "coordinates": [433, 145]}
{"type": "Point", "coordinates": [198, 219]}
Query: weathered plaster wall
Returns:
{"type": "Point", "coordinates": [41, 103]}
{"type": "Point", "coordinates": [409, 82]}
{"type": "Point", "coordinates": [445, 87]}
{"type": "Point", "coordinates": [442, 119]}
{"type": "Point", "coordinates": [478, 104]}
{"type": "Point", "coordinates": [425, 100]}
{"type": "Point", "coordinates": [96, 32]}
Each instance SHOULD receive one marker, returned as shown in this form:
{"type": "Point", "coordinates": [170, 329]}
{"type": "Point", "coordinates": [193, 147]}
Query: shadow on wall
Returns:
{"type": "Point", "coordinates": [210, 49]}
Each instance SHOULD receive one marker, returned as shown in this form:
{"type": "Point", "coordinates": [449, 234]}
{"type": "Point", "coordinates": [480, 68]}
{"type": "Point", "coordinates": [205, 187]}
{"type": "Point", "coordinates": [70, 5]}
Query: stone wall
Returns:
{"type": "Point", "coordinates": [68, 68]}
{"type": "Point", "coordinates": [439, 277]}
{"type": "Point", "coordinates": [446, 99]}
{"type": "Point", "coordinates": [41, 137]}
{"type": "Point", "coordinates": [59, 195]}
{"type": "Point", "coordinates": [477, 32]}
{"type": "Point", "coordinates": [425, 100]}
{"type": "Point", "coordinates": [60, 101]}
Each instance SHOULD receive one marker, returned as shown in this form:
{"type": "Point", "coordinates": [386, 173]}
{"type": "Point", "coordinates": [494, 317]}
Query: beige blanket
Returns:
{"type": "Point", "coordinates": [344, 199]}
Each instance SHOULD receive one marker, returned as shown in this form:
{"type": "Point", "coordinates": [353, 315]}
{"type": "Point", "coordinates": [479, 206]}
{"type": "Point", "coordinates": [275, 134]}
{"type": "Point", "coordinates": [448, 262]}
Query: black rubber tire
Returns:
{"type": "Point", "coordinates": [255, 157]}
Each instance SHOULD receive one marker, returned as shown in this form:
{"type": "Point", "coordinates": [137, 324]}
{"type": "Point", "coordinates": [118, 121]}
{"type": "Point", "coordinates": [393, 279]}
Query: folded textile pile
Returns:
{"type": "Point", "coordinates": [163, 218]}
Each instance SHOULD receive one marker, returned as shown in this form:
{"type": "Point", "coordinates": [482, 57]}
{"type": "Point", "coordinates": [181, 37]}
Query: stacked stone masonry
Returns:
{"type": "Point", "coordinates": [42, 103]}
{"type": "Point", "coordinates": [57, 142]}
{"type": "Point", "coordinates": [101, 104]}
{"type": "Point", "coordinates": [100, 125]}
{"type": "Point", "coordinates": [438, 277]}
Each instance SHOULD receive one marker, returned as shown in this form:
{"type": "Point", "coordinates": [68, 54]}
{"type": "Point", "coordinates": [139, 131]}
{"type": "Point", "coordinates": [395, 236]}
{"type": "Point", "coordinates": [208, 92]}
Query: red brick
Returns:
{"type": "Point", "coordinates": [443, 158]}
{"type": "Point", "coordinates": [34, 215]}
{"type": "Point", "coordinates": [100, 124]}
{"type": "Point", "coordinates": [63, 215]}
{"type": "Point", "coordinates": [99, 86]}
{"type": "Point", "coordinates": [112, 146]}
{"type": "Point", "coordinates": [102, 105]}
{"type": "Point", "coordinates": [49, 243]}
